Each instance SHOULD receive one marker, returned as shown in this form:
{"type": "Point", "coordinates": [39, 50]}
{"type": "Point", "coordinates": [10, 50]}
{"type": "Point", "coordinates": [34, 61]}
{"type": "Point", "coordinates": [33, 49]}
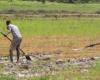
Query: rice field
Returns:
{"type": "Point", "coordinates": [63, 26]}
{"type": "Point", "coordinates": [49, 35]}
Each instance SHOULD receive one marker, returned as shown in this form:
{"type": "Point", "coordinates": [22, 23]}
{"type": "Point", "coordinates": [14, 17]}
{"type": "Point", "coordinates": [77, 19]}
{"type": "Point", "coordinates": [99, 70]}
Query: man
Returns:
{"type": "Point", "coordinates": [17, 38]}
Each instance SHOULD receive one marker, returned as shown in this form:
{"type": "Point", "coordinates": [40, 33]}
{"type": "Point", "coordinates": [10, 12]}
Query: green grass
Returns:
{"type": "Point", "coordinates": [47, 27]}
{"type": "Point", "coordinates": [7, 77]}
{"type": "Point", "coordinates": [24, 5]}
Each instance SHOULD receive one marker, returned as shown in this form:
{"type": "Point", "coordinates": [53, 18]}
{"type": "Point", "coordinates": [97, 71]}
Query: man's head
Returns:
{"type": "Point", "coordinates": [8, 22]}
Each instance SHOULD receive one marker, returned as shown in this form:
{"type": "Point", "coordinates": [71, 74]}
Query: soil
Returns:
{"type": "Point", "coordinates": [49, 54]}
{"type": "Point", "coordinates": [62, 45]}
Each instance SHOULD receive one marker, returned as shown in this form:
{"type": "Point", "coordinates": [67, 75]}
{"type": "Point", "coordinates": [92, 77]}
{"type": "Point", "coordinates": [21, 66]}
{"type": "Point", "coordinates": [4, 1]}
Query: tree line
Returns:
{"type": "Point", "coordinates": [67, 1]}
{"type": "Point", "coordinates": [64, 1]}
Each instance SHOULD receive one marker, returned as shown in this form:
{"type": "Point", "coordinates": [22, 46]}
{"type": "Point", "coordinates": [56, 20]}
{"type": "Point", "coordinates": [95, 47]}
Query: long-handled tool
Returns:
{"type": "Point", "coordinates": [27, 56]}
{"type": "Point", "coordinates": [91, 45]}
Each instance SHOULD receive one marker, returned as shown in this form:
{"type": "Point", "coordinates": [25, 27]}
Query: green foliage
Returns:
{"type": "Point", "coordinates": [7, 77]}
{"type": "Point", "coordinates": [74, 73]}
{"type": "Point", "coordinates": [68, 1]}
{"type": "Point", "coordinates": [63, 1]}
{"type": "Point", "coordinates": [66, 26]}
{"type": "Point", "coordinates": [37, 6]}
{"type": "Point", "coordinates": [95, 70]}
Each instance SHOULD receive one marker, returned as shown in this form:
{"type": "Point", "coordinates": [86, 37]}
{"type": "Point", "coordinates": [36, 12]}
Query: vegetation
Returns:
{"type": "Point", "coordinates": [71, 73]}
{"type": "Point", "coordinates": [65, 26]}
{"type": "Point", "coordinates": [75, 26]}
{"type": "Point", "coordinates": [7, 77]}
{"type": "Point", "coordinates": [65, 1]}
{"type": "Point", "coordinates": [49, 6]}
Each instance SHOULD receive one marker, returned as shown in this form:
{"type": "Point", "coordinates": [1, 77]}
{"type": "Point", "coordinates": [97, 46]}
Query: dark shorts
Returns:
{"type": "Point", "coordinates": [15, 43]}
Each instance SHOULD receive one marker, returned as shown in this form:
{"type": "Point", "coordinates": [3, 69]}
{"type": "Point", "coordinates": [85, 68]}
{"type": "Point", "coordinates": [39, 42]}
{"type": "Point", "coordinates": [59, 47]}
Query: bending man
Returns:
{"type": "Point", "coordinates": [17, 38]}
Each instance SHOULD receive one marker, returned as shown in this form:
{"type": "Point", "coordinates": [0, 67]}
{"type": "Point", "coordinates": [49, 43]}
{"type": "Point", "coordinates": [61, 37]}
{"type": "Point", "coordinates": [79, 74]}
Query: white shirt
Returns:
{"type": "Point", "coordinates": [14, 30]}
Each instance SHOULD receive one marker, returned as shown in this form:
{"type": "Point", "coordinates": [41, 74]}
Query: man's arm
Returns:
{"type": "Point", "coordinates": [9, 31]}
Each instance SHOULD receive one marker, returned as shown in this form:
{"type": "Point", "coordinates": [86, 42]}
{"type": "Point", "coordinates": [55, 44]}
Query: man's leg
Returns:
{"type": "Point", "coordinates": [11, 51]}
{"type": "Point", "coordinates": [12, 48]}
{"type": "Point", "coordinates": [18, 53]}
{"type": "Point", "coordinates": [11, 55]}
{"type": "Point", "coordinates": [18, 50]}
